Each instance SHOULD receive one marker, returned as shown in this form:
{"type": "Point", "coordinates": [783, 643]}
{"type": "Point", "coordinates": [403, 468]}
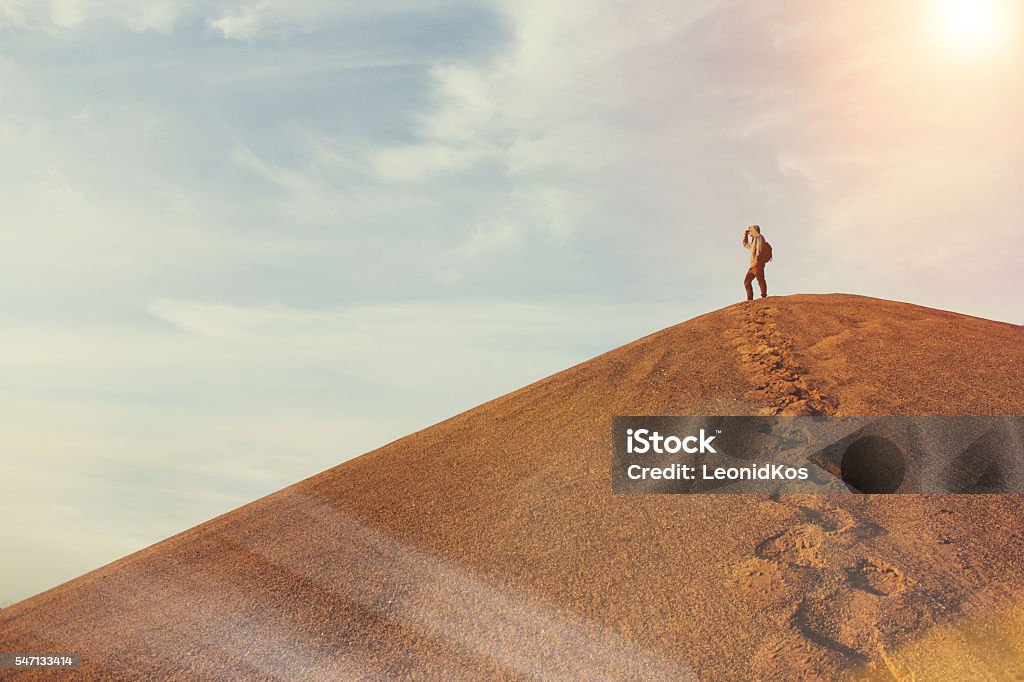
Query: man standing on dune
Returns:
{"type": "Point", "coordinates": [760, 253]}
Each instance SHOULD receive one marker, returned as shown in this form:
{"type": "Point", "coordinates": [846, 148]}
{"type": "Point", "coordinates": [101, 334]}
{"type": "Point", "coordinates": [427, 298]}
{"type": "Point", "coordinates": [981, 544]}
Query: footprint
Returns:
{"type": "Point", "coordinates": [833, 520]}
{"type": "Point", "coordinates": [789, 656]}
{"type": "Point", "coordinates": [816, 510]}
{"type": "Point", "coordinates": [767, 583]}
{"type": "Point", "coordinates": [877, 577]}
{"type": "Point", "coordinates": [797, 546]}
{"type": "Point", "coordinates": [828, 621]}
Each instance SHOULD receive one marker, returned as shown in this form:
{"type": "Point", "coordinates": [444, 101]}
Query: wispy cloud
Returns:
{"type": "Point", "coordinates": [158, 16]}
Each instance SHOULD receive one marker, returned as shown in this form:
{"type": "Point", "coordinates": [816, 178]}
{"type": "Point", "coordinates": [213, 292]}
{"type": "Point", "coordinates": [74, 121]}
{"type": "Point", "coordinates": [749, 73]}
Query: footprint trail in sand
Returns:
{"type": "Point", "coordinates": [766, 353]}
{"type": "Point", "coordinates": [825, 597]}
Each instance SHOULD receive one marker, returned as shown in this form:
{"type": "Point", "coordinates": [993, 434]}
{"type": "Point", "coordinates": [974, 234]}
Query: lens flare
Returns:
{"type": "Point", "coordinates": [971, 23]}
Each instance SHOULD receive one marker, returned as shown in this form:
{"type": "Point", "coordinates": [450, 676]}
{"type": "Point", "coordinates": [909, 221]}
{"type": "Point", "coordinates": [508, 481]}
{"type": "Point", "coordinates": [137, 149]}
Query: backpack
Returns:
{"type": "Point", "coordinates": [766, 251]}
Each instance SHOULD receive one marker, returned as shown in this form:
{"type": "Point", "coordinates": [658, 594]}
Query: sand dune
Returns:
{"type": "Point", "coordinates": [490, 545]}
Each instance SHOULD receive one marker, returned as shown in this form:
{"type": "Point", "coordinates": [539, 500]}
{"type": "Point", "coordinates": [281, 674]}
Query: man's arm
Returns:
{"type": "Point", "coordinates": [746, 243]}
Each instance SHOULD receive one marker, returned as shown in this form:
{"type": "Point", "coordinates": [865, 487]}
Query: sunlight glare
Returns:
{"type": "Point", "coordinates": [971, 24]}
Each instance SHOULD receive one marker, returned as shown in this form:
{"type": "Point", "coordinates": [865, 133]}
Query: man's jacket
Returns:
{"type": "Point", "coordinates": [755, 249]}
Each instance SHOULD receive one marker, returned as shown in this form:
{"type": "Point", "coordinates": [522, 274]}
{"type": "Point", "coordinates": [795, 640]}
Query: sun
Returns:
{"type": "Point", "coordinates": [971, 24]}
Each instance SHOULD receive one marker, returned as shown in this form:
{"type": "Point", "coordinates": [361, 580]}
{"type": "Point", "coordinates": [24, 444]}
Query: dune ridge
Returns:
{"type": "Point", "coordinates": [489, 546]}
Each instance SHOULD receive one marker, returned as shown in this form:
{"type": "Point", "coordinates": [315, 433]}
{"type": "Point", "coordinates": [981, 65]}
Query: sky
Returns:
{"type": "Point", "coordinates": [243, 242]}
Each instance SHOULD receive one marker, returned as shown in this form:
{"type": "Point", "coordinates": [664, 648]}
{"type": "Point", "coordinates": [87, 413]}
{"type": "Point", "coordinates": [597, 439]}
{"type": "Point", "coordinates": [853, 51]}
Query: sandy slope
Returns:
{"type": "Point", "coordinates": [490, 546]}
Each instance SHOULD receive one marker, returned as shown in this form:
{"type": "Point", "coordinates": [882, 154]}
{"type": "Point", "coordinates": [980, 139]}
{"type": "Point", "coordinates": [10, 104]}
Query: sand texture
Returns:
{"type": "Point", "coordinates": [489, 546]}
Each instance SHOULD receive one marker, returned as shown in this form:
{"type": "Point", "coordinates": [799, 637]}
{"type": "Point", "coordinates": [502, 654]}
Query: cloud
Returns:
{"type": "Point", "coordinates": [424, 161]}
{"type": "Point", "coordinates": [250, 18]}
{"type": "Point", "coordinates": [237, 24]}
{"type": "Point", "coordinates": [534, 142]}
{"type": "Point", "coordinates": [234, 21]}
{"type": "Point", "coordinates": [159, 16]}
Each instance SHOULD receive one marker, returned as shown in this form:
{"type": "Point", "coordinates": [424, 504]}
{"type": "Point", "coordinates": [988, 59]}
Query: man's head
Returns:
{"type": "Point", "coordinates": [754, 229]}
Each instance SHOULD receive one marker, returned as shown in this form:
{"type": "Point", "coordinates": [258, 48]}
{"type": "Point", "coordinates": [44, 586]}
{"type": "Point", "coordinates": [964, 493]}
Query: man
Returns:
{"type": "Point", "coordinates": [753, 240]}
